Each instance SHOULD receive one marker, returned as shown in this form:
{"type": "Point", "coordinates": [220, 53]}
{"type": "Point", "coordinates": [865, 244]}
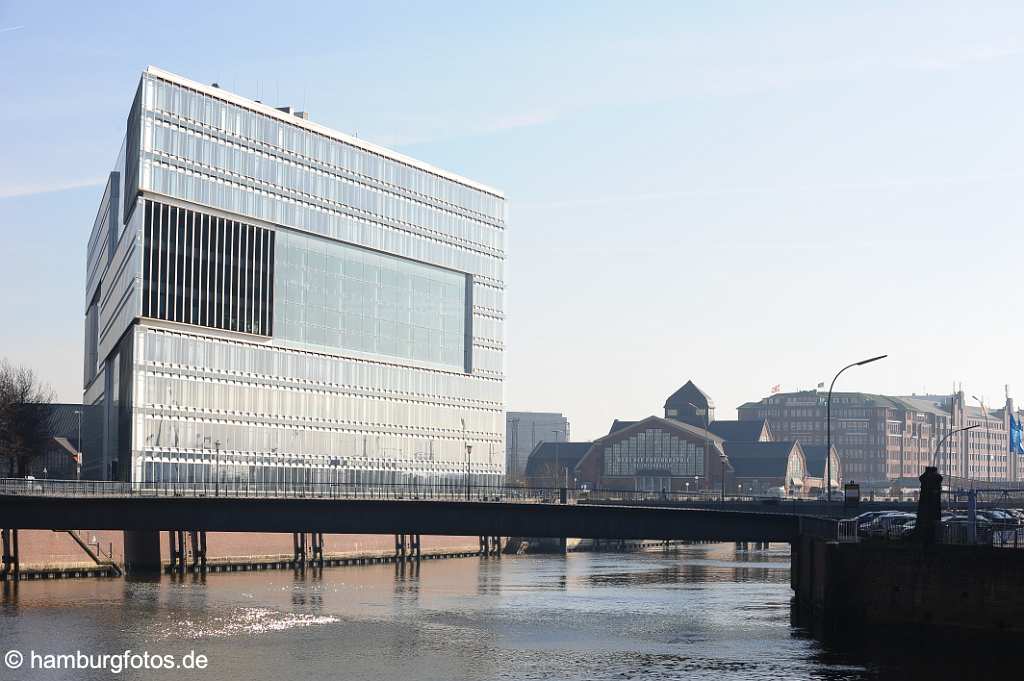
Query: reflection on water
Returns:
{"type": "Point", "coordinates": [703, 612]}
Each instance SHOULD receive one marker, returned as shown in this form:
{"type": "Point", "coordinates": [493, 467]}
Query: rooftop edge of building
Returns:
{"type": "Point", "coordinates": [292, 119]}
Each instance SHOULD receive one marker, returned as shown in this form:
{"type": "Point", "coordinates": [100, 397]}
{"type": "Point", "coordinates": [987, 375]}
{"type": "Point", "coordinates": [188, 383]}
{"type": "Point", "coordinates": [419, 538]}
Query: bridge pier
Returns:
{"type": "Point", "coordinates": [407, 546]}
{"type": "Point", "coordinates": [198, 541]}
{"type": "Point", "coordinates": [299, 550]}
{"type": "Point", "coordinates": [142, 552]}
{"type": "Point", "coordinates": [176, 544]}
{"type": "Point", "coordinates": [490, 546]}
{"type": "Point", "coordinates": [11, 565]}
{"type": "Point", "coordinates": [318, 549]}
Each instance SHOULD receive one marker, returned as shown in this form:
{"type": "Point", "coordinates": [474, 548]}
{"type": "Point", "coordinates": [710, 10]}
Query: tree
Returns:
{"type": "Point", "coordinates": [24, 412]}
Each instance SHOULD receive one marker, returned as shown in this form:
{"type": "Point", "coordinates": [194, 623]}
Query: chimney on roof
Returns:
{"type": "Point", "coordinates": [216, 85]}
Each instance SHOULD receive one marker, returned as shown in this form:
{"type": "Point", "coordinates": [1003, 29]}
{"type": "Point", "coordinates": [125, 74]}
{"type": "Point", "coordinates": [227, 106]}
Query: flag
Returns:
{"type": "Point", "coordinates": [776, 388]}
{"type": "Point", "coordinates": [821, 385]}
{"type": "Point", "coordinates": [1016, 435]}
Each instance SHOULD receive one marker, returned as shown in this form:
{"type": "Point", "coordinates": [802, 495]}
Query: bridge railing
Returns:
{"type": "Point", "coordinates": [443, 491]}
{"type": "Point", "coordinates": [246, 489]}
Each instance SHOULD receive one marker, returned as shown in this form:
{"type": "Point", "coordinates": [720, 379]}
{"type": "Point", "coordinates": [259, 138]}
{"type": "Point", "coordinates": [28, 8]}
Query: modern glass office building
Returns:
{"type": "Point", "coordinates": [272, 301]}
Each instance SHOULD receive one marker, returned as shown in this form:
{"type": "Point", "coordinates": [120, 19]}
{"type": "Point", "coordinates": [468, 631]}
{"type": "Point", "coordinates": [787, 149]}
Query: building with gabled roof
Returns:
{"type": "Point", "coordinates": [760, 467]}
{"type": "Point", "coordinates": [883, 440]}
{"type": "Point", "coordinates": [742, 431]}
{"type": "Point", "coordinates": [553, 464]}
{"type": "Point", "coordinates": [654, 454]}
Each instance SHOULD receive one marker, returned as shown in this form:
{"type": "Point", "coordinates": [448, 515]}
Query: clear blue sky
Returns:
{"type": "Point", "coordinates": [740, 193]}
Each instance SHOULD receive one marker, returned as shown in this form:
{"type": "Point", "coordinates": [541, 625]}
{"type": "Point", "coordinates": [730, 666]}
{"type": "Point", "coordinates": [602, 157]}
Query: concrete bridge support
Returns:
{"type": "Point", "coordinates": [11, 561]}
{"type": "Point", "coordinates": [142, 552]}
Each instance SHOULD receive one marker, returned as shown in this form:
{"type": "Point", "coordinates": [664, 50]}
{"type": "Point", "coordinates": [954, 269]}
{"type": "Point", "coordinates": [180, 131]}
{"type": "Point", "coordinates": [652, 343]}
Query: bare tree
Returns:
{"type": "Point", "coordinates": [24, 411]}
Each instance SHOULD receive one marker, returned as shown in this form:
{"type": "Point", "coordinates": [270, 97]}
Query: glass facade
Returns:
{"type": "Point", "coordinates": [308, 307]}
{"type": "Point", "coordinates": [341, 297]}
{"type": "Point", "coordinates": [653, 451]}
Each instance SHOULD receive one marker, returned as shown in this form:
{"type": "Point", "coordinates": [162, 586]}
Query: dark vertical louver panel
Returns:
{"type": "Point", "coordinates": [268, 290]}
{"type": "Point", "coordinates": [147, 262]}
{"type": "Point", "coordinates": [132, 149]}
{"type": "Point", "coordinates": [207, 271]}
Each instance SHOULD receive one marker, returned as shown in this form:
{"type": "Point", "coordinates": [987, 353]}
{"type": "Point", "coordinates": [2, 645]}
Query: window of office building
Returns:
{"type": "Point", "coordinates": [206, 270]}
{"type": "Point", "coordinates": [336, 296]}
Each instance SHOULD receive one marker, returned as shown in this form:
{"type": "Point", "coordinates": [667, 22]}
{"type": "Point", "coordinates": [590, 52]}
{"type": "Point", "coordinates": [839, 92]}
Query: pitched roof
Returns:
{"type": "Point", "coordinates": [738, 431]}
{"type": "Point", "coordinates": [815, 456]}
{"type": "Point", "coordinates": [618, 425]}
{"type": "Point", "coordinates": [873, 400]}
{"type": "Point", "coordinates": [690, 393]}
{"type": "Point", "coordinates": [542, 460]}
{"type": "Point", "coordinates": [759, 459]}
{"type": "Point", "coordinates": [62, 421]}
{"type": "Point", "coordinates": [627, 428]}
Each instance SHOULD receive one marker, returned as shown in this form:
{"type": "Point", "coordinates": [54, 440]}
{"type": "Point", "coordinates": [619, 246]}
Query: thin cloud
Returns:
{"type": "Point", "coordinates": [8, 29]}
{"type": "Point", "coordinates": [885, 184]}
{"type": "Point", "coordinates": [18, 191]}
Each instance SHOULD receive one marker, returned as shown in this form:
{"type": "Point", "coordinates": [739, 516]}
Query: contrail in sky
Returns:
{"type": "Point", "coordinates": [10, 28]}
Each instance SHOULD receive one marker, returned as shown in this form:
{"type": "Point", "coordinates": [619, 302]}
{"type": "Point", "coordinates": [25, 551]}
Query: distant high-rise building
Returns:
{"type": "Point", "coordinates": [523, 430]}
{"type": "Point", "coordinates": [272, 301]}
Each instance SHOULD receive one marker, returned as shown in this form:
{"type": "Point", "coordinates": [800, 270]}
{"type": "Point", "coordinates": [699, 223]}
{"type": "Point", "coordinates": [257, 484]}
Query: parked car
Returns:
{"type": "Point", "coordinates": [889, 524]}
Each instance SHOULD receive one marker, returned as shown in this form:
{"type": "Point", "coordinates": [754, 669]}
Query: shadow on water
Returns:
{"type": "Point", "coordinates": [906, 654]}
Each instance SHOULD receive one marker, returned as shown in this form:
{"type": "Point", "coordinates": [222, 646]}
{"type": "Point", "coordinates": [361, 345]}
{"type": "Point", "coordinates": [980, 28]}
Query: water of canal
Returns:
{"type": "Point", "coordinates": [700, 612]}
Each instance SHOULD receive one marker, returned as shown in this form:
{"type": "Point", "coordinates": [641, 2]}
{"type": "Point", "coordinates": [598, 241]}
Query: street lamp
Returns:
{"type": "Point", "coordinates": [469, 451]}
{"type": "Point", "coordinates": [78, 471]}
{"type": "Point", "coordinates": [723, 458]}
{"type": "Point", "coordinates": [988, 455]}
{"type": "Point", "coordinates": [938, 447]}
{"type": "Point", "coordinates": [704, 411]}
{"type": "Point", "coordinates": [828, 421]}
{"type": "Point", "coordinates": [216, 460]}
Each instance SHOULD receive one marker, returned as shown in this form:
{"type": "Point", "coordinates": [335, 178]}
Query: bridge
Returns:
{"type": "Point", "coordinates": [144, 510]}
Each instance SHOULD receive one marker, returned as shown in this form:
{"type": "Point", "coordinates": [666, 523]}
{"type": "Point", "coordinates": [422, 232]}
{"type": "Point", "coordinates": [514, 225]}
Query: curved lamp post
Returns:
{"type": "Point", "coordinates": [828, 422]}
{"type": "Point", "coordinates": [938, 447]}
{"type": "Point", "coordinates": [988, 453]}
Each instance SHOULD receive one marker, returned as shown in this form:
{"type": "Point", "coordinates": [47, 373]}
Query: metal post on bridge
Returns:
{"type": "Point", "coordinates": [972, 516]}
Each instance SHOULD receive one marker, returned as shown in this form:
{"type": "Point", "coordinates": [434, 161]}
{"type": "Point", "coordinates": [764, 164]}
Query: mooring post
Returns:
{"type": "Point", "coordinates": [416, 545]}
{"type": "Point", "coordinates": [929, 506]}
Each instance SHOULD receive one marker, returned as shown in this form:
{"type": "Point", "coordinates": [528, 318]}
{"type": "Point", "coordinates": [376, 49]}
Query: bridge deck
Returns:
{"type": "Point", "coordinates": [391, 516]}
